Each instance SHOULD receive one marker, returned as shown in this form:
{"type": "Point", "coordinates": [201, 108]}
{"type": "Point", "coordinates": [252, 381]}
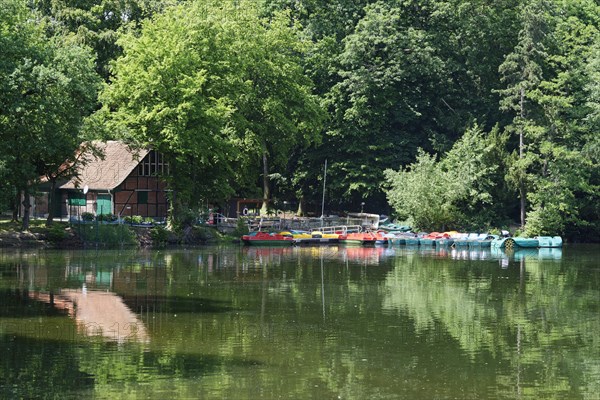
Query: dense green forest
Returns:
{"type": "Point", "coordinates": [464, 114]}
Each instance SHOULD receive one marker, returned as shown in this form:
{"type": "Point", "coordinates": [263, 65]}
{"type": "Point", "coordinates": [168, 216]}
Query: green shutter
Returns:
{"type": "Point", "coordinates": [77, 199]}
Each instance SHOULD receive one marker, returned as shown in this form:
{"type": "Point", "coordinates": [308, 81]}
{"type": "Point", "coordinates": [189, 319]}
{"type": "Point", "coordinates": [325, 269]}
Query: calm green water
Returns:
{"type": "Point", "coordinates": [327, 323]}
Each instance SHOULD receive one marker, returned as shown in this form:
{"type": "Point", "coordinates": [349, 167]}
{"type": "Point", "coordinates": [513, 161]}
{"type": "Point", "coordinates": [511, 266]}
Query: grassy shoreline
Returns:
{"type": "Point", "coordinates": [62, 235]}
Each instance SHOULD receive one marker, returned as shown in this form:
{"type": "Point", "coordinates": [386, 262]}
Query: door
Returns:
{"type": "Point", "coordinates": [103, 204]}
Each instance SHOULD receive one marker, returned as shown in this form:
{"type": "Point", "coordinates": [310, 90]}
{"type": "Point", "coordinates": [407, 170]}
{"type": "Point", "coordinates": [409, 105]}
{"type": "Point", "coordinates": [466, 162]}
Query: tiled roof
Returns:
{"type": "Point", "coordinates": [108, 172]}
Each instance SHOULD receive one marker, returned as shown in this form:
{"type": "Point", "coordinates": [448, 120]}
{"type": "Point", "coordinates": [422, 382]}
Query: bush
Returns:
{"type": "Point", "coordinates": [56, 233]}
{"type": "Point", "coordinates": [106, 217]}
{"type": "Point", "coordinates": [495, 231]}
{"type": "Point", "coordinates": [87, 216]}
{"type": "Point", "coordinates": [134, 219]}
{"type": "Point", "coordinates": [159, 235]}
{"type": "Point", "coordinates": [107, 235]}
{"type": "Point", "coordinates": [241, 228]}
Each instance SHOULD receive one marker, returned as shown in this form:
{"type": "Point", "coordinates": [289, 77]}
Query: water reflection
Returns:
{"type": "Point", "coordinates": [349, 255]}
{"type": "Point", "coordinates": [322, 322]}
{"type": "Point", "coordinates": [466, 253]}
{"type": "Point", "coordinates": [101, 314]}
{"type": "Point", "coordinates": [261, 256]}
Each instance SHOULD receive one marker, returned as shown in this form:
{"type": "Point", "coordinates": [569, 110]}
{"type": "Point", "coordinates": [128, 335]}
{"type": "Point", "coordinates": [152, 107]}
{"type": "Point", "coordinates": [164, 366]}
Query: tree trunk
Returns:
{"type": "Point", "coordinates": [16, 205]}
{"type": "Point", "coordinates": [522, 188]}
{"type": "Point", "coordinates": [522, 194]}
{"type": "Point", "coordinates": [51, 202]}
{"type": "Point", "coordinates": [26, 209]}
{"type": "Point", "coordinates": [300, 211]}
{"type": "Point", "coordinates": [266, 186]}
{"type": "Point", "coordinates": [173, 212]}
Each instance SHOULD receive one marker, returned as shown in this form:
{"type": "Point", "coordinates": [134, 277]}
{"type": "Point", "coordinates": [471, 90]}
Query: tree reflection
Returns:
{"type": "Point", "coordinates": [312, 322]}
{"type": "Point", "coordinates": [516, 314]}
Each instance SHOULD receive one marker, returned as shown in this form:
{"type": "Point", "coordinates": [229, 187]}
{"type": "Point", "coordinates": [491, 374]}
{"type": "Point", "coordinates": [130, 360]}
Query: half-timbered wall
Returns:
{"type": "Point", "coordinates": [143, 192]}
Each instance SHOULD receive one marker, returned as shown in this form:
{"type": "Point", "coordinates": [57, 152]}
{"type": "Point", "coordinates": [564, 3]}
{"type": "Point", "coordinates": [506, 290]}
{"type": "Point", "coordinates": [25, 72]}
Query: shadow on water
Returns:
{"type": "Point", "coordinates": [18, 303]}
{"type": "Point", "coordinates": [177, 304]}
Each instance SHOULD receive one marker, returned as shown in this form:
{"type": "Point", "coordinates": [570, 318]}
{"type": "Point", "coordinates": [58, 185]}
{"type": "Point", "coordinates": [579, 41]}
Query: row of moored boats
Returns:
{"type": "Point", "coordinates": [355, 237]}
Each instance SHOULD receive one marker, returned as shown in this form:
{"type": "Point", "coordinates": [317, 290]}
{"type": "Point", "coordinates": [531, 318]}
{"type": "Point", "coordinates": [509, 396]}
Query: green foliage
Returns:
{"type": "Point", "coordinates": [159, 235]}
{"type": "Point", "coordinates": [106, 235]}
{"type": "Point", "coordinates": [456, 192]}
{"type": "Point", "coordinates": [241, 228]}
{"type": "Point", "coordinates": [107, 217]}
{"type": "Point", "coordinates": [87, 216]}
{"type": "Point", "coordinates": [56, 233]}
{"type": "Point", "coordinates": [47, 87]}
{"type": "Point", "coordinates": [134, 219]}
{"type": "Point", "coordinates": [215, 92]}
{"type": "Point", "coordinates": [96, 23]}
{"type": "Point", "coordinates": [387, 72]}
{"type": "Point", "coordinates": [419, 193]}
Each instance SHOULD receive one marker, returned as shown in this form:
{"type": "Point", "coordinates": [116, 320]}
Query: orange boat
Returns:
{"type": "Point", "coordinates": [358, 239]}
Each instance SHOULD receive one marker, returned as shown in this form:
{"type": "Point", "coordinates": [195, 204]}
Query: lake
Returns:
{"type": "Point", "coordinates": [301, 322]}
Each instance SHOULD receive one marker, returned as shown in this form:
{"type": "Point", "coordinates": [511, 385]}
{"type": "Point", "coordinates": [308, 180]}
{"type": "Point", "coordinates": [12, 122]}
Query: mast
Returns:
{"type": "Point", "coordinates": [324, 182]}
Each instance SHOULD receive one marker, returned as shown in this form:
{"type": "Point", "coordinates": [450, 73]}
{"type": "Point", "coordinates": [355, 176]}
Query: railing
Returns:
{"type": "Point", "coordinates": [343, 229]}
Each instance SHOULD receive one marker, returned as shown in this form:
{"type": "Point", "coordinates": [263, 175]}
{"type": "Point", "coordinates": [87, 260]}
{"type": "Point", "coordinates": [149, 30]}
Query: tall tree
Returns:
{"type": "Point", "coordinates": [562, 172]}
{"type": "Point", "coordinates": [216, 89]}
{"type": "Point", "coordinates": [97, 24]}
{"type": "Point", "coordinates": [522, 72]}
{"type": "Point", "coordinates": [388, 73]}
{"type": "Point", "coordinates": [48, 87]}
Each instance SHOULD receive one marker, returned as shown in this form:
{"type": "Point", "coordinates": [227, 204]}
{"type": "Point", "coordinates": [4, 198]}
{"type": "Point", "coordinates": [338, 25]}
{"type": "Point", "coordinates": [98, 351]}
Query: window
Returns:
{"type": "Point", "coordinates": [142, 197]}
{"type": "Point", "coordinates": [153, 164]}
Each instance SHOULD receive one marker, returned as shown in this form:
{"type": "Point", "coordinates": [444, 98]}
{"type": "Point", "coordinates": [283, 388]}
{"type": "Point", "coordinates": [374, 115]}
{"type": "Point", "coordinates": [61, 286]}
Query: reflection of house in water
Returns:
{"type": "Point", "coordinates": [98, 314]}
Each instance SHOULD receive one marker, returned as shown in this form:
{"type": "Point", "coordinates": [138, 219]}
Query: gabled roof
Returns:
{"type": "Point", "coordinates": [110, 171]}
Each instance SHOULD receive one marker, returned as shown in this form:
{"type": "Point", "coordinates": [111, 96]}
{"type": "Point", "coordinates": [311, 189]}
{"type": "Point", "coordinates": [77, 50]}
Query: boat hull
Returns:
{"type": "Point", "coordinates": [259, 242]}
{"type": "Point", "coordinates": [515, 242]}
{"type": "Point", "coordinates": [315, 241]}
{"type": "Point", "coordinates": [444, 242]}
{"type": "Point", "coordinates": [358, 239]}
{"type": "Point", "coordinates": [266, 239]}
{"type": "Point", "coordinates": [550, 241]}
{"type": "Point", "coordinates": [411, 241]}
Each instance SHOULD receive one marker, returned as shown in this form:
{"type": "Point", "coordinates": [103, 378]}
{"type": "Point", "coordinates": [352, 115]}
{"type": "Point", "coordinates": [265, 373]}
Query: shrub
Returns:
{"type": "Point", "coordinates": [107, 235]}
{"type": "Point", "coordinates": [134, 219]}
{"type": "Point", "coordinates": [159, 235]}
{"type": "Point", "coordinates": [106, 217]}
{"type": "Point", "coordinates": [56, 233]}
{"type": "Point", "coordinates": [87, 216]}
{"type": "Point", "coordinates": [241, 228]}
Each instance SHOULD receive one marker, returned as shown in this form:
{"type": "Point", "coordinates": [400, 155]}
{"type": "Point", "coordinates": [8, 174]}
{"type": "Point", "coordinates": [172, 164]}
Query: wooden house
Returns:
{"type": "Point", "coordinates": [123, 182]}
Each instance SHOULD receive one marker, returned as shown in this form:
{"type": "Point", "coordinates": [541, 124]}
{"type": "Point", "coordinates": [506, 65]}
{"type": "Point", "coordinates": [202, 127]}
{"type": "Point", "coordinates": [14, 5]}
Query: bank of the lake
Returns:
{"type": "Point", "coordinates": [62, 235]}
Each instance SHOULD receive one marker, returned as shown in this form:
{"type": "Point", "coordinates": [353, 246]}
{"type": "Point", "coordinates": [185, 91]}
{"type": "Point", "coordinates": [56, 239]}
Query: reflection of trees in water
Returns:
{"type": "Point", "coordinates": [39, 368]}
{"type": "Point", "coordinates": [521, 315]}
{"type": "Point", "coordinates": [219, 327]}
